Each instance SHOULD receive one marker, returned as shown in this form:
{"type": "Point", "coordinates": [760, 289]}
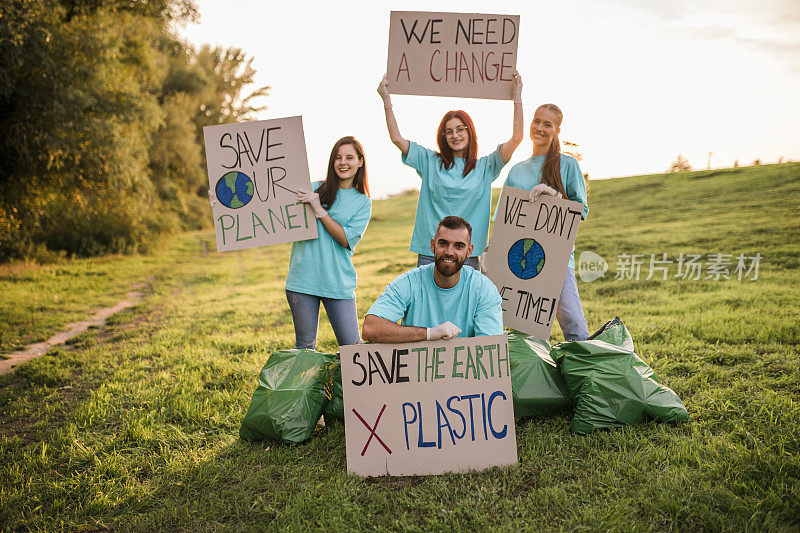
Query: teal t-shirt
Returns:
{"type": "Point", "coordinates": [322, 266]}
{"type": "Point", "coordinates": [527, 174]}
{"type": "Point", "coordinates": [413, 297]}
{"type": "Point", "coordinates": [447, 192]}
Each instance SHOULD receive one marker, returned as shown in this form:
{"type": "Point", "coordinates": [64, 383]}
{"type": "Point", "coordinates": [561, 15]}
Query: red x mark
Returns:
{"type": "Point", "coordinates": [372, 431]}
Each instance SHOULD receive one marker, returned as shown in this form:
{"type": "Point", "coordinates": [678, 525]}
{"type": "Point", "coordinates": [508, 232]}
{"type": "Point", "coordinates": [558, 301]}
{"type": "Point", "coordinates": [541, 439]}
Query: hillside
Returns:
{"type": "Point", "coordinates": [135, 425]}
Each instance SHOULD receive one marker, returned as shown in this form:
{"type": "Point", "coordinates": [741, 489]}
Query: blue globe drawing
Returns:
{"type": "Point", "coordinates": [526, 258]}
{"type": "Point", "coordinates": [234, 190]}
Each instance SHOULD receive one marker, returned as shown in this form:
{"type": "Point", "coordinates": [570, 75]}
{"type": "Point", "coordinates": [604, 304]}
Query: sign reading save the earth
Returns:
{"type": "Point", "coordinates": [428, 407]}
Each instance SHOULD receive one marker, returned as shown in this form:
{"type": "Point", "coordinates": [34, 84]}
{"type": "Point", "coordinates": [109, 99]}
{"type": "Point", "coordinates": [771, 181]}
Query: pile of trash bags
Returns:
{"type": "Point", "coordinates": [605, 383]}
{"type": "Point", "coordinates": [294, 389]}
{"type": "Point", "coordinates": [602, 379]}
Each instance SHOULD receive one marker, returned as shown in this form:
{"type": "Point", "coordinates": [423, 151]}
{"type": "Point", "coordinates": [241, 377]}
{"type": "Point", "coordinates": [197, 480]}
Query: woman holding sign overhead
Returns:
{"type": "Point", "coordinates": [321, 269]}
{"type": "Point", "coordinates": [454, 180]}
{"type": "Point", "coordinates": [548, 171]}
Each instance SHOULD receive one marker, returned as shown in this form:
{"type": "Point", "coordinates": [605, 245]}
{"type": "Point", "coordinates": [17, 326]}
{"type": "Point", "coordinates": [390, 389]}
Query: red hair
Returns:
{"type": "Point", "coordinates": [446, 153]}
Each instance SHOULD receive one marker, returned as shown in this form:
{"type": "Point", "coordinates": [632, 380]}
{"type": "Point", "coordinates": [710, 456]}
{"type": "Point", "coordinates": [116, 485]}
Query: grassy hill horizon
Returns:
{"type": "Point", "coordinates": [134, 426]}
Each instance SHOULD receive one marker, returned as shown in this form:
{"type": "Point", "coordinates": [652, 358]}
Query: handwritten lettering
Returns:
{"type": "Point", "coordinates": [465, 426]}
{"type": "Point", "coordinates": [243, 226]}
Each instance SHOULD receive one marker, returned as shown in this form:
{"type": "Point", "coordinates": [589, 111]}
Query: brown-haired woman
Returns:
{"type": "Point", "coordinates": [454, 180]}
{"type": "Point", "coordinates": [548, 171]}
{"type": "Point", "coordinates": [321, 269]}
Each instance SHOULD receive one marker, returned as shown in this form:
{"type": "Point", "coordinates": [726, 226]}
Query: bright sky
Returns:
{"type": "Point", "coordinates": [639, 81]}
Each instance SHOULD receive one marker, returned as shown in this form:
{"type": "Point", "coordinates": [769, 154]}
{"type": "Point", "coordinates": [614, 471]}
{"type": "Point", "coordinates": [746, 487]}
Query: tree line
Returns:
{"type": "Point", "coordinates": [102, 107]}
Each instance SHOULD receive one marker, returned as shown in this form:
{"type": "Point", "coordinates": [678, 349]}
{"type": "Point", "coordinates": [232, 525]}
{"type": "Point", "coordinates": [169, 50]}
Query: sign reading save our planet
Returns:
{"type": "Point", "coordinates": [528, 257]}
{"type": "Point", "coordinates": [428, 407]}
{"type": "Point", "coordinates": [255, 170]}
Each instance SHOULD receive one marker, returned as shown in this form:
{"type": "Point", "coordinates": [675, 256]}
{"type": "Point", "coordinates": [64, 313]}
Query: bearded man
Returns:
{"type": "Point", "coordinates": [439, 300]}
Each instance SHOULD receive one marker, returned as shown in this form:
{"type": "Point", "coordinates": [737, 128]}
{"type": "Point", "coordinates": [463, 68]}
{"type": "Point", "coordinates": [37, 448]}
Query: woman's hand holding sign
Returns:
{"type": "Point", "coordinates": [391, 121]}
{"type": "Point", "coordinates": [508, 147]}
{"type": "Point", "coordinates": [383, 91]}
{"type": "Point", "coordinates": [516, 88]}
{"type": "Point", "coordinates": [312, 199]}
{"type": "Point", "coordinates": [541, 189]}
{"type": "Point", "coordinates": [333, 227]}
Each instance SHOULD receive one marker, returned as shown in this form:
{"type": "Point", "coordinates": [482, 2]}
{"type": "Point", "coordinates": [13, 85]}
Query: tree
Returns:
{"type": "Point", "coordinates": [226, 72]}
{"type": "Point", "coordinates": [101, 115]}
{"type": "Point", "coordinates": [201, 87]}
{"type": "Point", "coordinates": [681, 164]}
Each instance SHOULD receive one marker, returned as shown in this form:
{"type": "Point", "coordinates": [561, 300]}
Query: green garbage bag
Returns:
{"type": "Point", "coordinates": [290, 396]}
{"type": "Point", "coordinates": [537, 385]}
{"type": "Point", "coordinates": [335, 395]}
{"type": "Point", "coordinates": [611, 385]}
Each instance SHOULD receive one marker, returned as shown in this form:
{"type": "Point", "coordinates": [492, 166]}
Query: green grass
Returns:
{"type": "Point", "coordinates": [134, 426]}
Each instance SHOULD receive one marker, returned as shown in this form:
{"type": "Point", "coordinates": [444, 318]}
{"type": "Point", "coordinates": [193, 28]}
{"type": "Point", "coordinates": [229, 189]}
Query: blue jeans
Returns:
{"type": "Point", "coordinates": [305, 314]}
{"type": "Point", "coordinates": [428, 259]}
{"type": "Point", "coordinates": [570, 311]}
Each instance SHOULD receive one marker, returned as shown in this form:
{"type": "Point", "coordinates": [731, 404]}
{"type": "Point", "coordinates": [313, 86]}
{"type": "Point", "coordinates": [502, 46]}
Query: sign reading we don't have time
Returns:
{"type": "Point", "coordinates": [428, 407]}
{"type": "Point", "coordinates": [528, 257]}
{"type": "Point", "coordinates": [255, 170]}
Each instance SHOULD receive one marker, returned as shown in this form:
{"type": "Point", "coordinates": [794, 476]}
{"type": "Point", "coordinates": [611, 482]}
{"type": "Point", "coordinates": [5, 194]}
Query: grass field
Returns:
{"type": "Point", "coordinates": [134, 426]}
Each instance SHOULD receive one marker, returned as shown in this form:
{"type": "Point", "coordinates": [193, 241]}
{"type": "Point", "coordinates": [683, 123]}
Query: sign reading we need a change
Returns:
{"type": "Point", "coordinates": [255, 170]}
{"type": "Point", "coordinates": [452, 54]}
{"type": "Point", "coordinates": [428, 407]}
{"type": "Point", "coordinates": [528, 257]}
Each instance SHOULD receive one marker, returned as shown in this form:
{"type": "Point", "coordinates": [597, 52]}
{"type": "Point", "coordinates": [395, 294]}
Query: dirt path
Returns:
{"type": "Point", "coordinates": [72, 330]}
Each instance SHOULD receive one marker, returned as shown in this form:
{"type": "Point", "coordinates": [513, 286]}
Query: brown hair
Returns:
{"type": "Point", "coordinates": [454, 222]}
{"type": "Point", "coordinates": [551, 170]}
{"type": "Point", "coordinates": [446, 153]}
{"type": "Point", "coordinates": [327, 191]}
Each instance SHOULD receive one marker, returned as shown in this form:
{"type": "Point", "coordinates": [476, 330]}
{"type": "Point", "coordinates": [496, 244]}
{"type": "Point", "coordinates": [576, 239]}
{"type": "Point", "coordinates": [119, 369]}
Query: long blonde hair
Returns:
{"type": "Point", "coordinates": [551, 169]}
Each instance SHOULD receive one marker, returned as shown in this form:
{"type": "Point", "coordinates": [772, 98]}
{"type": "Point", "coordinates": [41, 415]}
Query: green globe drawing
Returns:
{"type": "Point", "coordinates": [526, 258]}
{"type": "Point", "coordinates": [234, 190]}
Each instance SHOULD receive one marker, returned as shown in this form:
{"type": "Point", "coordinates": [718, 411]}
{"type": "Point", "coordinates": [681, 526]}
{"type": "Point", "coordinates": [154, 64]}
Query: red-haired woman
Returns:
{"type": "Point", "coordinates": [321, 269]}
{"type": "Point", "coordinates": [454, 180]}
{"type": "Point", "coordinates": [548, 171]}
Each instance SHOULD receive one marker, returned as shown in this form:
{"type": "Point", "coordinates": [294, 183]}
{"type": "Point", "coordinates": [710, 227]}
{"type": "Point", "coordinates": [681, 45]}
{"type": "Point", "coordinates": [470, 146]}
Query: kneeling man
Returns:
{"type": "Point", "coordinates": [440, 300]}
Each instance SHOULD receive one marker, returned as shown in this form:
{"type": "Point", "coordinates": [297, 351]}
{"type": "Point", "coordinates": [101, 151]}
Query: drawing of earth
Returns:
{"type": "Point", "coordinates": [234, 190]}
{"type": "Point", "coordinates": [526, 258]}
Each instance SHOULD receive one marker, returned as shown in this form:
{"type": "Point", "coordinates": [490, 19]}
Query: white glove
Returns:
{"type": "Point", "coordinates": [448, 330]}
{"type": "Point", "coordinates": [312, 199]}
{"type": "Point", "coordinates": [516, 88]}
{"type": "Point", "coordinates": [212, 199]}
{"type": "Point", "coordinates": [540, 190]}
{"type": "Point", "coordinates": [482, 262]}
{"type": "Point", "coordinates": [383, 90]}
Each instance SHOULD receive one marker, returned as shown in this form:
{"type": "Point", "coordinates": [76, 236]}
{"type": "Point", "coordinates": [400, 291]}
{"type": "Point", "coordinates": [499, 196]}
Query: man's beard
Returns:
{"type": "Point", "coordinates": [448, 269]}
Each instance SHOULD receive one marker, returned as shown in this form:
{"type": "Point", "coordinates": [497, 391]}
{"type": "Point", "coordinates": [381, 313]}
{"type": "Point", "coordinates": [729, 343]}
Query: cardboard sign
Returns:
{"type": "Point", "coordinates": [255, 170]}
{"type": "Point", "coordinates": [428, 407]}
{"type": "Point", "coordinates": [528, 257]}
{"type": "Point", "coordinates": [452, 54]}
